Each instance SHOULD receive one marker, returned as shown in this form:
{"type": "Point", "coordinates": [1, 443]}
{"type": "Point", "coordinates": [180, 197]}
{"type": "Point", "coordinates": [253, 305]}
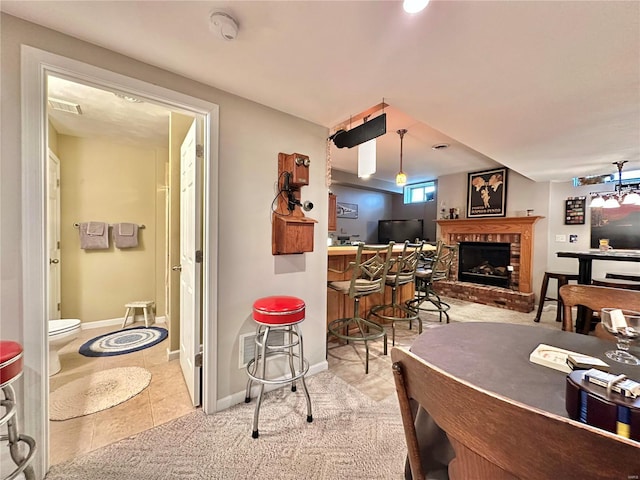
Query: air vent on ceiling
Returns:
{"type": "Point", "coordinates": [64, 106]}
{"type": "Point", "coordinates": [440, 146]}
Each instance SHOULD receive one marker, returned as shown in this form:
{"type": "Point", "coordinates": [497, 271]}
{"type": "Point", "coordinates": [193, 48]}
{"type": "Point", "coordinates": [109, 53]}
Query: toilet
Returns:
{"type": "Point", "coordinates": [61, 332]}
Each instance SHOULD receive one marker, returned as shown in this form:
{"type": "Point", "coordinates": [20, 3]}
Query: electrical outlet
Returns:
{"type": "Point", "coordinates": [561, 238]}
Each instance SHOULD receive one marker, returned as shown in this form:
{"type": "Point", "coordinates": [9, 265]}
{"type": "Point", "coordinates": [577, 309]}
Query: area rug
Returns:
{"type": "Point", "coordinates": [351, 437]}
{"type": "Point", "coordinates": [123, 341]}
{"type": "Point", "coordinates": [96, 392]}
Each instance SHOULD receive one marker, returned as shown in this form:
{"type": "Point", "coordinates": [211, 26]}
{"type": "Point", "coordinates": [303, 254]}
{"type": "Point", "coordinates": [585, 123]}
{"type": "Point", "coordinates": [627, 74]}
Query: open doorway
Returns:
{"type": "Point", "coordinates": [113, 158]}
{"type": "Point", "coordinates": [37, 65]}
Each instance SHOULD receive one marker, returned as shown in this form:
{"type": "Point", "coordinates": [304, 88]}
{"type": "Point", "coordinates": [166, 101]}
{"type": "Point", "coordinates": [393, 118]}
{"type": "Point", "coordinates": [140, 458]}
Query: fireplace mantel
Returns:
{"type": "Point", "coordinates": [452, 230]}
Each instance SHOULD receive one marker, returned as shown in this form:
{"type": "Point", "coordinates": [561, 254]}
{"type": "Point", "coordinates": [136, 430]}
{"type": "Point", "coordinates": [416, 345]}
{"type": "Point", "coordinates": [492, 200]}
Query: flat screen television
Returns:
{"type": "Point", "coordinates": [399, 230]}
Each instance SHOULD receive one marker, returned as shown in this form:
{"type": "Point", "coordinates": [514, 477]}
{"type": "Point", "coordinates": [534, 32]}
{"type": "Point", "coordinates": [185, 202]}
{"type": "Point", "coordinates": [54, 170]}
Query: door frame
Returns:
{"type": "Point", "coordinates": [36, 64]}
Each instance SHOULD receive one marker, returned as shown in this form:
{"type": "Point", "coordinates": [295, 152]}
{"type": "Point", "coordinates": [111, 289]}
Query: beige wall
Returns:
{"type": "Point", "coordinates": [250, 138]}
{"type": "Point", "coordinates": [109, 182]}
{"type": "Point", "coordinates": [53, 138]}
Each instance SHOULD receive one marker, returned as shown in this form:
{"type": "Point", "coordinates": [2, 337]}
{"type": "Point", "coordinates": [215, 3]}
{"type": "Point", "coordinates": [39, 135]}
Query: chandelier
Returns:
{"type": "Point", "coordinates": [623, 195]}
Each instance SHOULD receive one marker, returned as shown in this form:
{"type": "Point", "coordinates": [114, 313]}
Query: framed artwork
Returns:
{"type": "Point", "coordinates": [574, 211]}
{"type": "Point", "coordinates": [487, 193]}
{"type": "Point", "coordinates": [347, 210]}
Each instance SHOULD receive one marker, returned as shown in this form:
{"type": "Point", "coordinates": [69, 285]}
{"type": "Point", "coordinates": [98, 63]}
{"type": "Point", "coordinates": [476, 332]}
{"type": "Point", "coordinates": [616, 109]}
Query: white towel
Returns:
{"type": "Point", "coordinates": [125, 235]}
{"type": "Point", "coordinates": [96, 228]}
{"type": "Point", "coordinates": [94, 240]}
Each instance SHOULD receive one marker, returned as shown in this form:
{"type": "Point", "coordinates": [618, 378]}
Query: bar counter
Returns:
{"type": "Point", "coordinates": [341, 306]}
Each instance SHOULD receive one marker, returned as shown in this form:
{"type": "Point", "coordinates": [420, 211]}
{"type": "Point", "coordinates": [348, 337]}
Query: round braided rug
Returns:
{"type": "Point", "coordinates": [123, 341]}
{"type": "Point", "coordinates": [96, 392]}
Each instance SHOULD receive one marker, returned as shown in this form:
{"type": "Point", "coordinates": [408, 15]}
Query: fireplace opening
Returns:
{"type": "Point", "coordinates": [486, 263]}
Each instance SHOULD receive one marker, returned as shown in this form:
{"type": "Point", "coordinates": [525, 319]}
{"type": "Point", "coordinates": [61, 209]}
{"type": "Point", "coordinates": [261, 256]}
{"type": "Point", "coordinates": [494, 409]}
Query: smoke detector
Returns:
{"type": "Point", "coordinates": [223, 25]}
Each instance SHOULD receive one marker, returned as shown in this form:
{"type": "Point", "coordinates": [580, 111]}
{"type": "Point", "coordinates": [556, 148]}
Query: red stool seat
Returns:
{"type": "Point", "coordinates": [278, 310]}
{"type": "Point", "coordinates": [10, 361]}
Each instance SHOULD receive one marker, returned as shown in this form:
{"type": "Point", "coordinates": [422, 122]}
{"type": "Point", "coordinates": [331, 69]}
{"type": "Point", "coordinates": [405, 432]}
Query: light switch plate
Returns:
{"type": "Point", "coordinates": [561, 238]}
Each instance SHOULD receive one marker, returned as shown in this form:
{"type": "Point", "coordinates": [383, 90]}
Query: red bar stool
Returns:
{"type": "Point", "coordinates": [277, 314]}
{"type": "Point", "coordinates": [11, 370]}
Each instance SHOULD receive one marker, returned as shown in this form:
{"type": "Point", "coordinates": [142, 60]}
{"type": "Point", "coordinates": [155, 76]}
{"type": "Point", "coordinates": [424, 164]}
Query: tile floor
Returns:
{"type": "Point", "coordinates": [165, 399]}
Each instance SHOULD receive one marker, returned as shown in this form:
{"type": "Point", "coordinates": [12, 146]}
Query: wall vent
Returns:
{"type": "Point", "coordinates": [64, 106]}
{"type": "Point", "coordinates": [247, 342]}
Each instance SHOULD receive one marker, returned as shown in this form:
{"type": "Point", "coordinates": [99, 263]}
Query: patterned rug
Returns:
{"type": "Point", "coordinates": [96, 392]}
{"type": "Point", "coordinates": [351, 437]}
{"type": "Point", "coordinates": [123, 341]}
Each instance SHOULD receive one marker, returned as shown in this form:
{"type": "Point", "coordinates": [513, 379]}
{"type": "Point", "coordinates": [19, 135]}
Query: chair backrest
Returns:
{"type": "Point", "coordinates": [402, 269]}
{"type": "Point", "coordinates": [443, 261]}
{"type": "Point", "coordinates": [595, 298]}
{"type": "Point", "coordinates": [369, 272]}
{"type": "Point", "coordinates": [497, 438]}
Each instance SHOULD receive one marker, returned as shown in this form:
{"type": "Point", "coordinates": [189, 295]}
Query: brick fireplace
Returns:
{"type": "Point", "coordinates": [518, 232]}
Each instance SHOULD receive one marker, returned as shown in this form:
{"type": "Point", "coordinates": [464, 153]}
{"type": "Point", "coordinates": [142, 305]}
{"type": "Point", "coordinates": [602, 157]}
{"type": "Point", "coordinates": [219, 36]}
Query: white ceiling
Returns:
{"type": "Point", "coordinates": [549, 89]}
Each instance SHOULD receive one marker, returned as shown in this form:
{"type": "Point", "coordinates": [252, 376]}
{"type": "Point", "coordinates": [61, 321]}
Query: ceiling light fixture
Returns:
{"type": "Point", "coordinates": [414, 6]}
{"type": "Point", "coordinates": [401, 177]}
{"type": "Point", "coordinates": [367, 159]}
{"type": "Point", "coordinates": [127, 98]}
{"type": "Point", "coordinates": [625, 195]}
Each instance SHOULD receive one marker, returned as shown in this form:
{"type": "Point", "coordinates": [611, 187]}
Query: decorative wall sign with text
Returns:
{"type": "Point", "coordinates": [574, 211]}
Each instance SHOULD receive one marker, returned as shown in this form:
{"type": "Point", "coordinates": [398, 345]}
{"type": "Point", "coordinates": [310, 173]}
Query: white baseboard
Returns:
{"type": "Point", "coordinates": [117, 321]}
{"type": "Point", "coordinates": [172, 355]}
{"type": "Point", "coordinates": [238, 397]}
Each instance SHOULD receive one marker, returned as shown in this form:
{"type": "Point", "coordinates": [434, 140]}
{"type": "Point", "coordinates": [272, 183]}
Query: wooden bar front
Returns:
{"type": "Point", "coordinates": [341, 306]}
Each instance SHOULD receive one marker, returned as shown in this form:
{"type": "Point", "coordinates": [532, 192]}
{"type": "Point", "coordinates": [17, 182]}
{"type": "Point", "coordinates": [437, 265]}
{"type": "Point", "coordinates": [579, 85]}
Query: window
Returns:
{"type": "Point", "coordinates": [420, 192]}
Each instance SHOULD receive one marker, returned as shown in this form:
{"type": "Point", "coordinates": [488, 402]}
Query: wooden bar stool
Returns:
{"type": "Point", "coordinates": [10, 371]}
{"type": "Point", "coordinates": [147, 310]}
{"type": "Point", "coordinates": [272, 314]}
{"type": "Point", "coordinates": [562, 278]}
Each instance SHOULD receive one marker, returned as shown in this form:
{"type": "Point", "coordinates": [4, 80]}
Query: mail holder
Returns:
{"type": "Point", "coordinates": [589, 403]}
{"type": "Point", "coordinates": [292, 235]}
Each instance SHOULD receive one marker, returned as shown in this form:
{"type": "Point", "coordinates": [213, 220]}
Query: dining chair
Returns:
{"type": "Point", "coordinates": [491, 434]}
{"type": "Point", "coordinates": [368, 276]}
{"type": "Point", "coordinates": [594, 298]}
{"type": "Point", "coordinates": [402, 271]}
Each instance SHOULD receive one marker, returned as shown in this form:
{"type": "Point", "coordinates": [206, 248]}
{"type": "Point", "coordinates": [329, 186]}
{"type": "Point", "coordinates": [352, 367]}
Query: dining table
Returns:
{"type": "Point", "coordinates": [585, 266]}
{"type": "Point", "coordinates": [586, 258]}
{"type": "Point", "coordinates": [495, 357]}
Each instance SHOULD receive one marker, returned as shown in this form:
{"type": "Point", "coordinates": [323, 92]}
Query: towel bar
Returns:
{"type": "Point", "coordinates": [76, 225]}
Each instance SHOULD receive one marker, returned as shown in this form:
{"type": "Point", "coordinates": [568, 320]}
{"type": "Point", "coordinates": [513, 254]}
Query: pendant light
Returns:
{"type": "Point", "coordinates": [401, 177]}
{"type": "Point", "coordinates": [621, 196]}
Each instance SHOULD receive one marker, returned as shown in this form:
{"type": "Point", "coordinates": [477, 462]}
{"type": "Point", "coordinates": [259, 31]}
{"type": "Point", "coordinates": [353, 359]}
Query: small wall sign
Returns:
{"type": "Point", "coordinates": [574, 211]}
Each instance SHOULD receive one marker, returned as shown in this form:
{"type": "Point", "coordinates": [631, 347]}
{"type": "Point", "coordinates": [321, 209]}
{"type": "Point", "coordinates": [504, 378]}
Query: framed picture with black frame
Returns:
{"type": "Point", "coordinates": [574, 211]}
{"type": "Point", "coordinates": [487, 193]}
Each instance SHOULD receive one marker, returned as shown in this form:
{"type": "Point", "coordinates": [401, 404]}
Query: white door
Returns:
{"type": "Point", "coordinates": [53, 234]}
{"type": "Point", "coordinates": [190, 273]}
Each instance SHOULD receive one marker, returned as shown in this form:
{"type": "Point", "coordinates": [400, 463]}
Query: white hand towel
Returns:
{"type": "Point", "coordinates": [121, 236]}
{"type": "Point", "coordinates": [94, 241]}
{"type": "Point", "coordinates": [96, 228]}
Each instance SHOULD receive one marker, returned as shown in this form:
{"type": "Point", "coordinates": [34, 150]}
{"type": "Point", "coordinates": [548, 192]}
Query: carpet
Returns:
{"type": "Point", "coordinates": [96, 392]}
{"type": "Point", "coordinates": [351, 436]}
{"type": "Point", "coordinates": [123, 341]}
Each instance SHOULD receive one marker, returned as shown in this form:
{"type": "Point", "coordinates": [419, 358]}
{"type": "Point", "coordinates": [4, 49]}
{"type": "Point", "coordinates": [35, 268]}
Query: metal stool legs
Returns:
{"type": "Point", "coordinates": [257, 367]}
{"type": "Point", "coordinates": [22, 461]}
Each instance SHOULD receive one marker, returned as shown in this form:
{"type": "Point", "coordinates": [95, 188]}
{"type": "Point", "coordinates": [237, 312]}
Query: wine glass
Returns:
{"type": "Point", "coordinates": [624, 335]}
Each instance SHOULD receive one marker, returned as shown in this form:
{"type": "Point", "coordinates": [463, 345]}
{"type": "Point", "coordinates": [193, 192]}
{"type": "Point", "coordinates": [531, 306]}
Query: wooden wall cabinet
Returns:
{"type": "Point", "coordinates": [333, 213]}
